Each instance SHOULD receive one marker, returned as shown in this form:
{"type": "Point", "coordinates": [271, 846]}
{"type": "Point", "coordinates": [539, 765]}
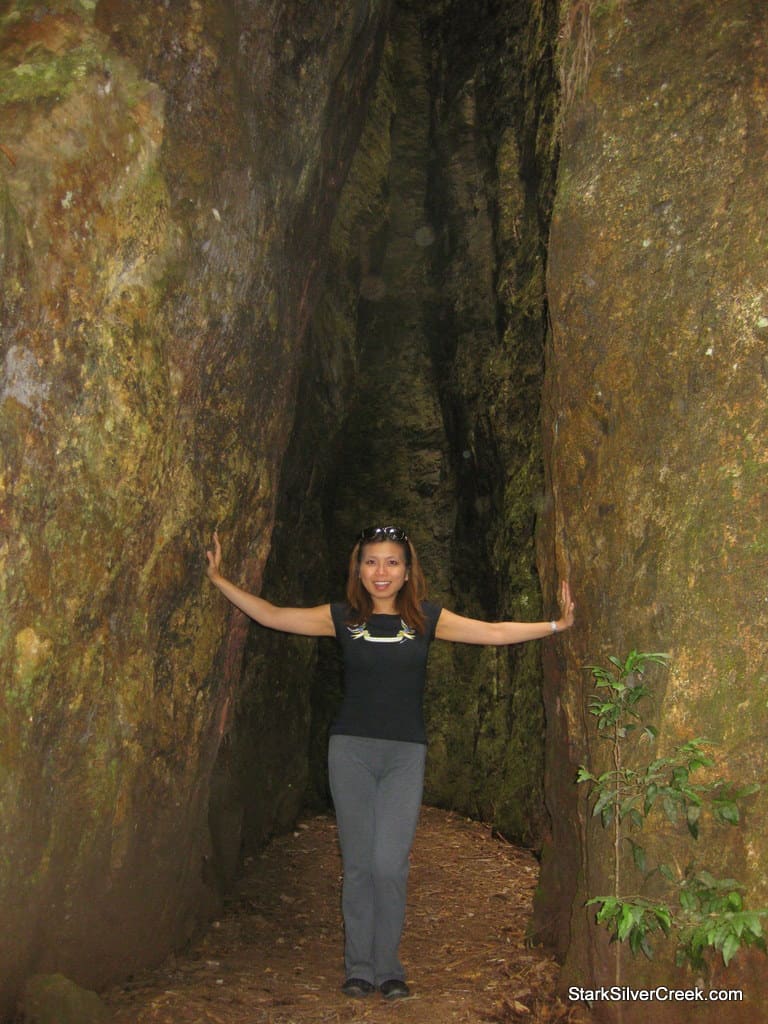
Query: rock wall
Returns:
{"type": "Point", "coordinates": [655, 440]}
{"type": "Point", "coordinates": [274, 760]}
{"type": "Point", "coordinates": [230, 300]}
{"type": "Point", "coordinates": [168, 175]}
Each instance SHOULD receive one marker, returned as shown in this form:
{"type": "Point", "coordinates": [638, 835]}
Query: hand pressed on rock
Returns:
{"type": "Point", "coordinates": [214, 559]}
{"type": "Point", "coordinates": [567, 607]}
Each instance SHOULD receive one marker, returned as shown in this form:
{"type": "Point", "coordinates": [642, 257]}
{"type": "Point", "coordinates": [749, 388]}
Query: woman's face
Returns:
{"type": "Point", "coordinates": [383, 571]}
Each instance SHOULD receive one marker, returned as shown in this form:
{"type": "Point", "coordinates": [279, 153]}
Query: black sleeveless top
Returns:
{"type": "Point", "coordinates": [385, 664]}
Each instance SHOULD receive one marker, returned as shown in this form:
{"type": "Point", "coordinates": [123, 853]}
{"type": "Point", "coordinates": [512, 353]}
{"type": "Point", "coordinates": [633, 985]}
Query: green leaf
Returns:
{"type": "Point", "coordinates": [626, 806]}
{"type": "Point", "coordinates": [735, 901]}
{"type": "Point", "coordinates": [646, 947]}
{"type": "Point", "coordinates": [726, 811]}
{"type": "Point", "coordinates": [679, 776]}
{"type": "Point", "coordinates": [658, 658]}
{"type": "Point", "coordinates": [731, 947]}
{"type": "Point", "coordinates": [625, 922]}
{"type": "Point", "coordinates": [651, 792]}
{"type": "Point", "coordinates": [664, 917]}
{"type": "Point", "coordinates": [687, 900]}
{"type": "Point", "coordinates": [753, 925]}
{"type": "Point", "coordinates": [705, 878]}
{"type": "Point", "coordinates": [747, 791]}
{"type": "Point", "coordinates": [636, 938]}
{"type": "Point", "coordinates": [603, 801]}
{"type": "Point", "coordinates": [667, 872]}
{"type": "Point", "coordinates": [693, 814]}
{"type": "Point", "coordinates": [638, 855]}
{"type": "Point", "coordinates": [670, 808]}
{"type": "Point", "coordinates": [700, 762]}
{"type": "Point", "coordinates": [610, 908]}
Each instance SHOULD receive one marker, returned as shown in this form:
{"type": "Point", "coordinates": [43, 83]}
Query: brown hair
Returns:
{"type": "Point", "coordinates": [409, 598]}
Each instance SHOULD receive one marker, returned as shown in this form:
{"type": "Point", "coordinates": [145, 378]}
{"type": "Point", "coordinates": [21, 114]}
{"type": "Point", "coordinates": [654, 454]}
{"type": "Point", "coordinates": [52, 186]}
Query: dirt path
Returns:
{"type": "Point", "coordinates": [275, 955]}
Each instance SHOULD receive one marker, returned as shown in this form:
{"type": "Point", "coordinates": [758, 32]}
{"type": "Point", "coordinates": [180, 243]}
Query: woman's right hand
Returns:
{"type": "Point", "coordinates": [214, 559]}
{"type": "Point", "coordinates": [316, 621]}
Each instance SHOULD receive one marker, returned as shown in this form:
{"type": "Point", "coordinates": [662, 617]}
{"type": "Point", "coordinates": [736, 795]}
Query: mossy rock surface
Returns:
{"type": "Point", "coordinates": [54, 999]}
{"type": "Point", "coordinates": [655, 420]}
{"type": "Point", "coordinates": [166, 191]}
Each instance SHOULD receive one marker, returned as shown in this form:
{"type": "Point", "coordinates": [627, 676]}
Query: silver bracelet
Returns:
{"type": "Point", "coordinates": [553, 624]}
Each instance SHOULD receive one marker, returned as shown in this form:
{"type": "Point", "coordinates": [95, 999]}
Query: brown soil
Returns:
{"type": "Point", "coordinates": [275, 955]}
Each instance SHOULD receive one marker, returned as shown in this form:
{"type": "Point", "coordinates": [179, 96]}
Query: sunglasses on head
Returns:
{"type": "Point", "coordinates": [383, 533]}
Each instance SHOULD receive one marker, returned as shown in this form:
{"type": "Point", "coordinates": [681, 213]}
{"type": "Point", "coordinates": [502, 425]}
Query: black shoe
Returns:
{"type": "Point", "coordinates": [357, 988]}
{"type": "Point", "coordinates": [394, 989]}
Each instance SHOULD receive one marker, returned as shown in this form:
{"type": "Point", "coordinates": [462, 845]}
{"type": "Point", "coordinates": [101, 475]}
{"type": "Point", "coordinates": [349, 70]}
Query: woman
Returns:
{"type": "Point", "coordinates": [377, 746]}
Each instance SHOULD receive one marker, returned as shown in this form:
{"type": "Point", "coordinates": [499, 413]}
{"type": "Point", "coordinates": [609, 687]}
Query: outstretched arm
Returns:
{"type": "Point", "coordinates": [315, 621]}
{"type": "Point", "coordinates": [459, 629]}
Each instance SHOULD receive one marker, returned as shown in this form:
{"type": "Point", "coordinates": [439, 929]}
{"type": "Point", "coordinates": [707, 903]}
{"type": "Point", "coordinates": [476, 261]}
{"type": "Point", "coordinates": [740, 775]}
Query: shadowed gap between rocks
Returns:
{"type": "Point", "coordinates": [419, 404]}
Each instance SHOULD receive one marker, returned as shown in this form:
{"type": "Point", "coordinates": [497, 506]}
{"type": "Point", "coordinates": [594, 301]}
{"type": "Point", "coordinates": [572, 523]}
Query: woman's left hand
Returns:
{"type": "Point", "coordinates": [567, 607]}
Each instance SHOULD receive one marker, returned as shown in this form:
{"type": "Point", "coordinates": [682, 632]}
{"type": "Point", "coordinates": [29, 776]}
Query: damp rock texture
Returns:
{"type": "Point", "coordinates": [655, 427]}
{"type": "Point", "coordinates": [168, 175]}
{"type": "Point", "coordinates": [285, 269]}
{"type": "Point", "coordinates": [491, 169]}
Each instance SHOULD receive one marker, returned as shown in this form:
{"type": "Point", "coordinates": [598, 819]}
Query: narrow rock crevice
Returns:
{"type": "Point", "coordinates": [422, 376]}
{"type": "Point", "coordinates": [493, 271]}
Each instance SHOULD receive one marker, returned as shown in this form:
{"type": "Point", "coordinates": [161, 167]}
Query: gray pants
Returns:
{"type": "Point", "coordinates": [376, 787]}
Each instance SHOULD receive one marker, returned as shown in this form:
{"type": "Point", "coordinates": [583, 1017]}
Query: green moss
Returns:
{"type": "Point", "coordinates": [362, 202]}
{"type": "Point", "coordinates": [145, 204]}
{"type": "Point", "coordinates": [46, 75]}
{"type": "Point", "coordinates": [32, 667]}
{"type": "Point", "coordinates": [21, 8]}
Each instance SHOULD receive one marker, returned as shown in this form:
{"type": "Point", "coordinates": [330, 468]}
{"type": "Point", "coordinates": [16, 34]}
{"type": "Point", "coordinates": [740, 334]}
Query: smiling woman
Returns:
{"type": "Point", "coordinates": [377, 748]}
{"type": "Point", "coordinates": [385, 577]}
{"type": "Point", "coordinates": [383, 572]}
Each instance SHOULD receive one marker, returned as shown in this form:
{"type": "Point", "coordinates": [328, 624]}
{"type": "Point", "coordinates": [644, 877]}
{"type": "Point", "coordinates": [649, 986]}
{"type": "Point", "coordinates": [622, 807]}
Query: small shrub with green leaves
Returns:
{"type": "Point", "coordinates": [709, 913]}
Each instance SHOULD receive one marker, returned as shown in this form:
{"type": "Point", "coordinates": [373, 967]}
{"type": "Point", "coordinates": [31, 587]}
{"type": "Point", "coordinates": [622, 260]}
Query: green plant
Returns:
{"type": "Point", "coordinates": [710, 914]}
